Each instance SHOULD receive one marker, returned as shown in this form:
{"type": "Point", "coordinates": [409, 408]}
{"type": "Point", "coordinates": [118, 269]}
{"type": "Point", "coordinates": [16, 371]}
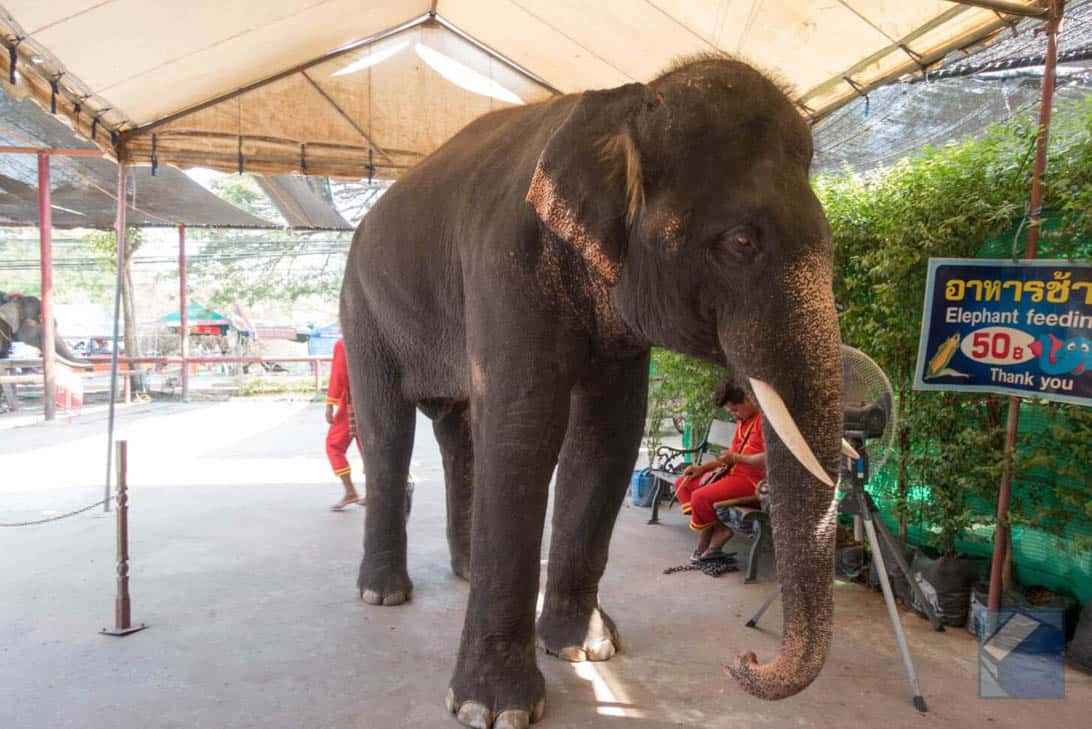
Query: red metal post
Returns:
{"type": "Point", "coordinates": [122, 613]}
{"type": "Point", "coordinates": [1001, 537]}
{"type": "Point", "coordinates": [183, 321]}
{"type": "Point", "coordinates": [122, 602]}
{"type": "Point", "coordinates": [45, 233]}
{"type": "Point", "coordinates": [316, 370]}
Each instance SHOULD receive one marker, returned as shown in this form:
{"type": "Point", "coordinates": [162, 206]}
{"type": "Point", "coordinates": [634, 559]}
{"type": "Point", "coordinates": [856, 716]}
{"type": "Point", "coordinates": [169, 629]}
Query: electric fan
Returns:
{"type": "Point", "coordinates": [868, 402]}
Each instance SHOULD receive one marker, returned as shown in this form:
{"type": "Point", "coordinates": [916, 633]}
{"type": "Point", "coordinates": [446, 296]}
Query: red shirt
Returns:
{"type": "Point", "coordinates": [338, 390]}
{"type": "Point", "coordinates": [748, 441]}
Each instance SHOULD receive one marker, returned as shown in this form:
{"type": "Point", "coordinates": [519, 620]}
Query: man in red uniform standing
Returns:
{"type": "Point", "coordinates": [342, 432]}
{"type": "Point", "coordinates": [738, 471]}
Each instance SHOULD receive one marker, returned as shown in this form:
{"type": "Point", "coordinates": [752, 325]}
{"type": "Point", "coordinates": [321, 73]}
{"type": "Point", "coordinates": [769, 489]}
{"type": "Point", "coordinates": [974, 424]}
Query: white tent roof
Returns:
{"type": "Point", "coordinates": [325, 86]}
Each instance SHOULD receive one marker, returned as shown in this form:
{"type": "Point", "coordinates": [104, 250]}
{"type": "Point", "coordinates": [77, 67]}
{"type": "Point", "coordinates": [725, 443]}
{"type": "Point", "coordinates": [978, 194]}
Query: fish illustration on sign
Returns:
{"type": "Point", "coordinates": [1056, 357]}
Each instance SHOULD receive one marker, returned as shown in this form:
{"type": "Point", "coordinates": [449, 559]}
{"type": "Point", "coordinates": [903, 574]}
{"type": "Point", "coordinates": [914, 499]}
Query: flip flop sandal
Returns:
{"type": "Point", "coordinates": [717, 556]}
{"type": "Point", "coordinates": [695, 556]}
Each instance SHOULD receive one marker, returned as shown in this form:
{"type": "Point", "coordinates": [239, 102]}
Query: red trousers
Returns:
{"type": "Point", "coordinates": [338, 439]}
{"type": "Point", "coordinates": [701, 502]}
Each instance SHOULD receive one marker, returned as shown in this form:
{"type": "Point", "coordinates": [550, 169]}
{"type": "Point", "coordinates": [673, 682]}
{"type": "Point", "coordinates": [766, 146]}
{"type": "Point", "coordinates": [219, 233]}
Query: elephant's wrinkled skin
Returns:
{"type": "Point", "coordinates": [511, 286]}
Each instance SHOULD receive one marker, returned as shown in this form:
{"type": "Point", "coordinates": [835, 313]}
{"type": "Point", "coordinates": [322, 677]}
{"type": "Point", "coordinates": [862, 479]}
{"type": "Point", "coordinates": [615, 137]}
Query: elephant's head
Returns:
{"type": "Point", "coordinates": [21, 321]}
{"type": "Point", "coordinates": [690, 198]}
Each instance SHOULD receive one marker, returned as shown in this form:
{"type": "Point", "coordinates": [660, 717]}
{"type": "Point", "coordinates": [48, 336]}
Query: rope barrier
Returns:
{"type": "Point", "coordinates": [52, 518]}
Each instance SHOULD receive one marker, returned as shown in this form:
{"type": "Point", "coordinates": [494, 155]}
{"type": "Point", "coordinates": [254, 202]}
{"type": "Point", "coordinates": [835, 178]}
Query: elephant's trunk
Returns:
{"type": "Point", "coordinates": [804, 367]}
{"type": "Point", "coordinates": [66, 355]}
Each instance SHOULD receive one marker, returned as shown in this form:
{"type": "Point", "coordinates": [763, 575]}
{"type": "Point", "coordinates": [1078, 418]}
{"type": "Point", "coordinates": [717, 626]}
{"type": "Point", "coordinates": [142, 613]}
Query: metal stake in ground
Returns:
{"type": "Point", "coordinates": [122, 624]}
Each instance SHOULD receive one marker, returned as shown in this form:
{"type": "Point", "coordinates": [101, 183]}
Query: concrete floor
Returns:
{"type": "Point", "coordinates": [247, 582]}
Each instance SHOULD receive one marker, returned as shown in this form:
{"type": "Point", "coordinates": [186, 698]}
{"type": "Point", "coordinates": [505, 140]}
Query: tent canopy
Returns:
{"type": "Point", "coordinates": [196, 315]}
{"type": "Point", "coordinates": [963, 98]}
{"type": "Point", "coordinates": [84, 188]}
{"type": "Point", "coordinates": [352, 89]}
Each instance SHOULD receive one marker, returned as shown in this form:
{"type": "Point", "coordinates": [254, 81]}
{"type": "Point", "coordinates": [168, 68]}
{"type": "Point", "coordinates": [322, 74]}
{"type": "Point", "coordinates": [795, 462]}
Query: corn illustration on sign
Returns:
{"type": "Point", "coordinates": [1018, 328]}
{"type": "Point", "coordinates": [938, 363]}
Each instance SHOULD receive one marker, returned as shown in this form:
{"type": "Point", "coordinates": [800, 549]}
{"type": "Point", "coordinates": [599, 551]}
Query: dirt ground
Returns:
{"type": "Point", "coordinates": [247, 583]}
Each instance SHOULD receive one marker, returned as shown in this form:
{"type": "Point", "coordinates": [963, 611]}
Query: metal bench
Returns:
{"type": "Point", "coordinates": [756, 520]}
{"type": "Point", "coordinates": [669, 463]}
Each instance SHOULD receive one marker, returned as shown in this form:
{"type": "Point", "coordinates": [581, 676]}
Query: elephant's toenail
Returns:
{"type": "Point", "coordinates": [512, 719]}
{"type": "Point", "coordinates": [371, 597]}
{"type": "Point", "coordinates": [602, 651]}
{"type": "Point", "coordinates": [473, 714]}
{"type": "Point", "coordinates": [572, 653]}
{"type": "Point", "coordinates": [395, 598]}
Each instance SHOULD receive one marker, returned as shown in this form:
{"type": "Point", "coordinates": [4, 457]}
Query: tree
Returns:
{"type": "Point", "coordinates": [104, 244]}
{"type": "Point", "coordinates": [275, 269]}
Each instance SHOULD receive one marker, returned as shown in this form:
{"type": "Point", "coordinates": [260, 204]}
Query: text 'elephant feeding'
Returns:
{"type": "Point", "coordinates": [511, 286]}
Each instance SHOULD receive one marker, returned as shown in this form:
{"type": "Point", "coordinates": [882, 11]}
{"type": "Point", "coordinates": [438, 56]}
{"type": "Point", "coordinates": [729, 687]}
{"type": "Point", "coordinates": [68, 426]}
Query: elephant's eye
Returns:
{"type": "Point", "coordinates": [1072, 346]}
{"type": "Point", "coordinates": [740, 241]}
{"type": "Point", "coordinates": [1084, 347]}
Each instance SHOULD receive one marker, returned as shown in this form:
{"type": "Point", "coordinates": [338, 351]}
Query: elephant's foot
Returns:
{"type": "Point", "coordinates": [497, 690]}
{"type": "Point", "coordinates": [383, 584]}
{"type": "Point", "coordinates": [578, 634]}
{"type": "Point", "coordinates": [461, 568]}
{"type": "Point", "coordinates": [459, 547]}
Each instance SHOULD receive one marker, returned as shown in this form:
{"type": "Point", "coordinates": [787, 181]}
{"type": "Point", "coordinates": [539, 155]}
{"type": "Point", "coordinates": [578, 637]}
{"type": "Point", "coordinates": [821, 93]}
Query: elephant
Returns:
{"type": "Point", "coordinates": [21, 321]}
{"type": "Point", "coordinates": [511, 286]}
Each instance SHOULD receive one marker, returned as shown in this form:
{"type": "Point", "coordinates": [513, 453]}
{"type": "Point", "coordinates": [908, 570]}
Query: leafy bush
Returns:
{"type": "Point", "coordinates": [680, 385]}
{"type": "Point", "coordinates": [944, 202]}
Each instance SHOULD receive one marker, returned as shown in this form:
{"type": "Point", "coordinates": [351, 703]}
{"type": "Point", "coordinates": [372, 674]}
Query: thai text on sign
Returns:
{"type": "Point", "coordinates": [1018, 328]}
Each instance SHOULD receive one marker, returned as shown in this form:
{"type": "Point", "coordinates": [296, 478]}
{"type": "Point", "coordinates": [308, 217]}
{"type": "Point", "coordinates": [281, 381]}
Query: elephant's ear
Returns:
{"type": "Point", "coordinates": [9, 316]}
{"type": "Point", "coordinates": [588, 185]}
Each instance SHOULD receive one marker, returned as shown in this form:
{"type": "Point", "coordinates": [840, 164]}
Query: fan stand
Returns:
{"type": "Point", "coordinates": [858, 502]}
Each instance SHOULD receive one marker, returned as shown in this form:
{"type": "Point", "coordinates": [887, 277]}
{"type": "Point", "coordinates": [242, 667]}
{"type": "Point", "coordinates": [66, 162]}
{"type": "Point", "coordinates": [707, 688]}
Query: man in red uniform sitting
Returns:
{"type": "Point", "coordinates": [342, 420]}
{"type": "Point", "coordinates": [730, 478]}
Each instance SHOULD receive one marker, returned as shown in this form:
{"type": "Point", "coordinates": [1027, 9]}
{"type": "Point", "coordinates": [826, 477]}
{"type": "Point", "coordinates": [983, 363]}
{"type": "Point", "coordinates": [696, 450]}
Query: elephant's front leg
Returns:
{"type": "Point", "coordinates": [517, 436]}
{"type": "Point", "coordinates": [605, 424]}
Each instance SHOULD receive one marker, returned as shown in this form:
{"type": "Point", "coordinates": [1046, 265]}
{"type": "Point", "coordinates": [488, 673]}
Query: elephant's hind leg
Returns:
{"type": "Point", "coordinates": [452, 428]}
{"type": "Point", "coordinates": [605, 423]}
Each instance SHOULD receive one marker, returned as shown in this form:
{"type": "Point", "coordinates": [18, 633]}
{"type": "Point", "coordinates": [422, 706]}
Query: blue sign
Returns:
{"type": "Point", "coordinates": [1017, 328]}
{"type": "Point", "coordinates": [1021, 654]}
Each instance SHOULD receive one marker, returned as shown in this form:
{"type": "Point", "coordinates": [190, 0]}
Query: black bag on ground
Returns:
{"type": "Point", "coordinates": [1045, 599]}
{"type": "Point", "coordinates": [849, 562]}
{"type": "Point", "coordinates": [947, 583]}
{"type": "Point", "coordinates": [1080, 648]}
{"type": "Point", "coordinates": [980, 600]}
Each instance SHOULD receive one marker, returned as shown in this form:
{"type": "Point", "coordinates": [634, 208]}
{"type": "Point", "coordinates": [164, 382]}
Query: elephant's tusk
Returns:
{"type": "Point", "coordinates": [848, 450]}
{"type": "Point", "coordinates": [775, 412]}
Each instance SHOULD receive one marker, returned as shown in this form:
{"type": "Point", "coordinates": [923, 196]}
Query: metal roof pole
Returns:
{"type": "Point", "coordinates": [1007, 7]}
{"type": "Point", "coordinates": [183, 321]}
{"type": "Point", "coordinates": [119, 240]}
{"type": "Point", "coordinates": [45, 234]}
{"type": "Point", "coordinates": [1002, 542]}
